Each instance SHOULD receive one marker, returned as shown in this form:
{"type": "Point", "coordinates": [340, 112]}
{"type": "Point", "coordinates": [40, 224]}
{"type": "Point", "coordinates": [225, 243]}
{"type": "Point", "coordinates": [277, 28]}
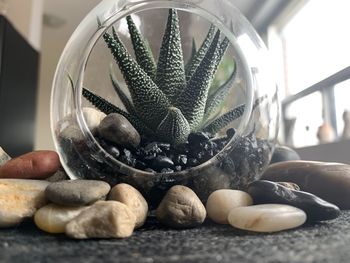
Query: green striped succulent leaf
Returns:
{"type": "Point", "coordinates": [192, 100]}
{"type": "Point", "coordinates": [150, 102]}
{"type": "Point", "coordinates": [200, 54]}
{"type": "Point", "coordinates": [170, 76]}
{"type": "Point", "coordinates": [107, 107]}
{"type": "Point", "coordinates": [121, 94]}
{"type": "Point", "coordinates": [143, 53]}
{"type": "Point", "coordinates": [215, 100]}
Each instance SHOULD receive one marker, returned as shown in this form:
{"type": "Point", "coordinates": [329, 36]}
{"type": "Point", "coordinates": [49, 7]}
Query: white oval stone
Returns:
{"type": "Point", "coordinates": [266, 218]}
{"type": "Point", "coordinates": [20, 199]}
{"type": "Point", "coordinates": [131, 197]}
{"type": "Point", "coordinates": [222, 201]}
{"type": "Point", "coordinates": [53, 218]}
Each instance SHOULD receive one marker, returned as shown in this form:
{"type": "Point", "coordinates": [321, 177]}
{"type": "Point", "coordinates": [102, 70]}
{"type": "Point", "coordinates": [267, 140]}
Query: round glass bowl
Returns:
{"type": "Point", "coordinates": [86, 63]}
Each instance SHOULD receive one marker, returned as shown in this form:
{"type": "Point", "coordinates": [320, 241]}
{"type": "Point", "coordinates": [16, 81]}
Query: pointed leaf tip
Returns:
{"type": "Point", "coordinates": [170, 76]}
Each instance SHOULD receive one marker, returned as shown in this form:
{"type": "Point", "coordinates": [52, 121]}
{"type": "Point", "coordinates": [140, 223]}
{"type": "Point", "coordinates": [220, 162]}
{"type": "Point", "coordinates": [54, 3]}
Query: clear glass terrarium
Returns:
{"type": "Point", "coordinates": [244, 144]}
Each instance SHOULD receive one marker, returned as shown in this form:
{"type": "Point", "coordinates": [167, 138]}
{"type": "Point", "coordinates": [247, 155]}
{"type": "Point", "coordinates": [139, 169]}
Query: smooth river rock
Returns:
{"type": "Point", "coordinates": [221, 202]}
{"type": "Point", "coordinates": [266, 218]}
{"type": "Point", "coordinates": [284, 153]}
{"type": "Point", "coordinates": [316, 209]}
{"type": "Point", "coordinates": [116, 128]}
{"type": "Point", "coordinates": [77, 192]}
{"type": "Point", "coordinates": [20, 199]}
{"type": "Point", "coordinates": [132, 198]}
{"type": "Point", "coordinates": [329, 181]}
{"type": "Point", "coordinates": [32, 165]}
{"type": "Point", "coordinates": [53, 218]}
{"type": "Point", "coordinates": [104, 219]}
{"type": "Point", "coordinates": [181, 208]}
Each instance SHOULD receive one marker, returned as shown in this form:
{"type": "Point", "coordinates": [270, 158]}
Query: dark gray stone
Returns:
{"type": "Point", "coordinates": [329, 181]}
{"type": "Point", "coordinates": [284, 153]}
{"type": "Point", "coordinates": [116, 128]}
{"type": "Point", "coordinates": [316, 209]}
{"type": "Point", "coordinates": [77, 192]}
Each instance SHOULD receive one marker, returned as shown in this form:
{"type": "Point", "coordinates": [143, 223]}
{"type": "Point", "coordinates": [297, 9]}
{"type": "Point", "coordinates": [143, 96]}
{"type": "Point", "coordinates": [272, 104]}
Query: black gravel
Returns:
{"type": "Point", "coordinates": [322, 242]}
{"type": "Point", "coordinates": [165, 158]}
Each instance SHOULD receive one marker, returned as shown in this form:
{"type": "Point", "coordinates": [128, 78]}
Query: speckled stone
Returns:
{"type": "Point", "coordinates": [77, 192]}
{"type": "Point", "coordinates": [316, 209]}
{"type": "Point", "coordinates": [132, 198]}
{"type": "Point", "coordinates": [266, 218]}
{"type": "Point", "coordinates": [329, 181]}
{"type": "Point", "coordinates": [221, 202]}
{"type": "Point", "coordinates": [20, 199]}
{"type": "Point", "coordinates": [181, 208]}
{"type": "Point", "coordinates": [116, 128]}
{"type": "Point", "coordinates": [104, 219]}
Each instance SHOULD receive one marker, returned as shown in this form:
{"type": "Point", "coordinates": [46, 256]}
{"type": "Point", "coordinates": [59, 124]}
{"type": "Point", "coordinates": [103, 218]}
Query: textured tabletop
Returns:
{"type": "Point", "coordinates": [323, 242]}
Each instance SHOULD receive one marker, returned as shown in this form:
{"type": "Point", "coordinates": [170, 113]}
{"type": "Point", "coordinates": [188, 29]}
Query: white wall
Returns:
{"type": "Point", "coordinates": [54, 39]}
{"type": "Point", "coordinates": [330, 152]}
{"type": "Point", "coordinates": [26, 16]}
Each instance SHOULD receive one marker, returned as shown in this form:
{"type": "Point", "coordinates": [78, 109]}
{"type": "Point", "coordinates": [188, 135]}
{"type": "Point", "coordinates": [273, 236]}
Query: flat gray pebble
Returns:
{"type": "Point", "coordinates": [77, 192]}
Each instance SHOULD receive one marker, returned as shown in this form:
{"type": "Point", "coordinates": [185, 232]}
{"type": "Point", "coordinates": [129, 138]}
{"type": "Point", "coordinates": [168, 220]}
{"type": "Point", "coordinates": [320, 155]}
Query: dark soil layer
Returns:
{"type": "Point", "coordinates": [153, 156]}
{"type": "Point", "coordinates": [317, 243]}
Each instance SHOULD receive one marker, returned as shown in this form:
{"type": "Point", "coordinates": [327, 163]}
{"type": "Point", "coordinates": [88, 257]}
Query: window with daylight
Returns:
{"type": "Point", "coordinates": [311, 51]}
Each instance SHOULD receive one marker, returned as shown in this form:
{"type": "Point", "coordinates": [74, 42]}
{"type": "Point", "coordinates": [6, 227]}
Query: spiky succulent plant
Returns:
{"type": "Point", "coordinates": [169, 100]}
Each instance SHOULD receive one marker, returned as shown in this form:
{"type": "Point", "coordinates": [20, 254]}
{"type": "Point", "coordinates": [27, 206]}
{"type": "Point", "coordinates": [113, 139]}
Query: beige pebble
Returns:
{"type": "Point", "coordinates": [266, 218]}
{"type": "Point", "coordinates": [20, 199]}
{"type": "Point", "coordinates": [181, 208]}
{"type": "Point", "coordinates": [222, 201]}
{"type": "Point", "coordinates": [131, 197]}
{"type": "Point", "coordinates": [104, 219]}
{"type": "Point", "coordinates": [53, 218]}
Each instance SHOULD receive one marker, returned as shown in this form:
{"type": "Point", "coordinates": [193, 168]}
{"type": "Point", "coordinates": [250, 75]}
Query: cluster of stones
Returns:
{"type": "Point", "coordinates": [120, 139]}
{"type": "Point", "coordinates": [79, 208]}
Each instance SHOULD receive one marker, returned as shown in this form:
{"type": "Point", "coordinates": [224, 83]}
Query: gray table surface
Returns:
{"type": "Point", "coordinates": [321, 242]}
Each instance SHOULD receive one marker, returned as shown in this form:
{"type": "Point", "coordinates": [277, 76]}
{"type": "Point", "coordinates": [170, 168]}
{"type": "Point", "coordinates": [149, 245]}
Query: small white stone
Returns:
{"type": "Point", "coordinates": [222, 201]}
{"type": "Point", "coordinates": [20, 199]}
{"type": "Point", "coordinates": [131, 197]}
{"type": "Point", "coordinates": [70, 128]}
{"type": "Point", "coordinates": [4, 157]}
{"type": "Point", "coordinates": [266, 218]}
{"type": "Point", "coordinates": [53, 218]}
{"type": "Point", "coordinates": [104, 219]}
{"type": "Point", "coordinates": [93, 118]}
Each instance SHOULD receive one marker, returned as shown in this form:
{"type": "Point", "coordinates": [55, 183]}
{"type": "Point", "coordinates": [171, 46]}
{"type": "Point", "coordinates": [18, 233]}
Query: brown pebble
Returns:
{"type": "Point", "coordinates": [181, 208]}
{"type": "Point", "coordinates": [33, 165]}
{"type": "Point", "coordinates": [132, 198]}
